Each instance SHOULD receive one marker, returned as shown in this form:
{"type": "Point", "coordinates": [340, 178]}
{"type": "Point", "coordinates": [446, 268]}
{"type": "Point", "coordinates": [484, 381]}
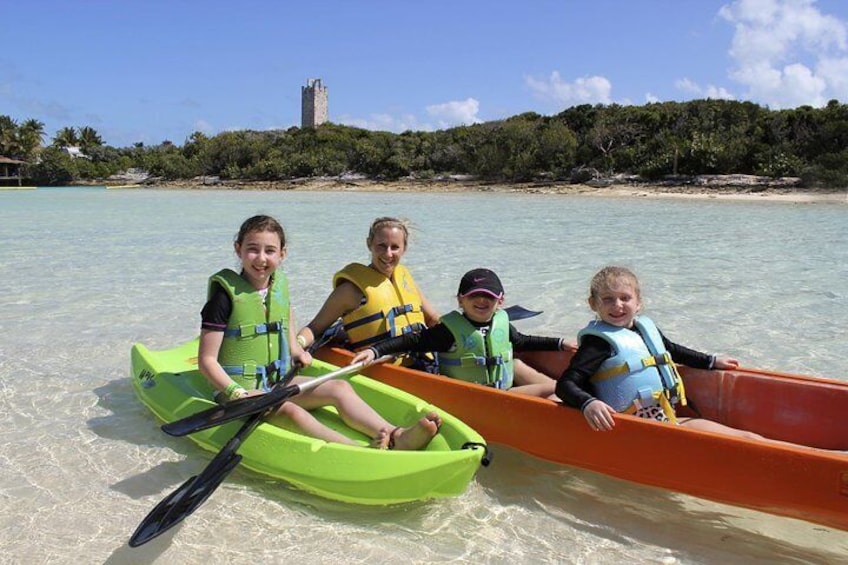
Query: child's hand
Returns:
{"type": "Point", "coordinates": [303, 357]}
{"type": "Point", "coordinates": [725, 362]}
{"type": "Point", "coordinates": [365, 356]}
{"type": "Point", "coordinates": [568, 345]}
{"type": "Point", "coordinates": [599, 416]}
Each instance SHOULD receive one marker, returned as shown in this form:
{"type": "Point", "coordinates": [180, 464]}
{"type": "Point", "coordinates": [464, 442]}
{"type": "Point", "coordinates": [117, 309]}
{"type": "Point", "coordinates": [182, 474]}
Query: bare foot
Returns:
{"type": "Point", "coordinates": [416, 436]}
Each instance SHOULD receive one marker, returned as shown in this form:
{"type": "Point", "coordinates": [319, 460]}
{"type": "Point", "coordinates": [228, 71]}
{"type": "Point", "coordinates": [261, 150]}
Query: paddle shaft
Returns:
{"type": "Point", "coordinates": [243, 407]}
{"type": "Point", "coordinates": [347, 370]}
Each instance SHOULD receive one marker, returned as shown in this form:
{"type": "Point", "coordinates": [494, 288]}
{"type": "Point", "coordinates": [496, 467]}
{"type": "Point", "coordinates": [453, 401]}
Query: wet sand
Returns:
{"type": "Point", "coordinates": [752, 192]}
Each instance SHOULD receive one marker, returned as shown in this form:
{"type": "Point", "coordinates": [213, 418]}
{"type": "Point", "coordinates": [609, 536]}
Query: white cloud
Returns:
{"type": "Point", "coordinates": [697, 91]}
{"type": "Point", "coordinates": [204, 127]}
{"type": "Point", "coordinates": [584, 90]}
{"type": "Point", "coordinates": [455, 113]}
{"type": "Point", "coordinates": [386, 122]}
{"type": "Point", "coordinates": [448, 114]}
{"type": "Point", "coordinates": [787, 52]}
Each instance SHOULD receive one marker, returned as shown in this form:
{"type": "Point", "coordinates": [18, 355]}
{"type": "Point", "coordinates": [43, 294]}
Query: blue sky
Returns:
{"type": "Point", "coordinates": [159, 70]}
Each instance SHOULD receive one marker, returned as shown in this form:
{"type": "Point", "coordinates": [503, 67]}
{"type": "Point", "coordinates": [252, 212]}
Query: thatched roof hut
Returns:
{"type": "Point", "coordinates": [11, 169]}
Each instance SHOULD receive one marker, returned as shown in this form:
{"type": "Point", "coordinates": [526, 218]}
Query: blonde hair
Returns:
{"type": "Point", "coordinates": [391, 223]}
{"type": "Point", "coordinates": [606, 278]}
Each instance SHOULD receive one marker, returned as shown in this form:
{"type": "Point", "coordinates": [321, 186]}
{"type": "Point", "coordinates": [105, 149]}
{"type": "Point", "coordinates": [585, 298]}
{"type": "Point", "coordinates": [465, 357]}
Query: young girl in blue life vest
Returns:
{"type": "Point", "coordinates": [624, 364]}
{"type": "Point", "coordinates": [476, 343]}
{"type": "Point", "coordinates": [247, 336]}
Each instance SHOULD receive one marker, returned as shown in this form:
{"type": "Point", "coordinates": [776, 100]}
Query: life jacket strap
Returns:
{"type": "Point", "coordinates": [263, 375]}
{"type": "Point", "coordinates": [385, 335]}
{"type": "Point", "coordinates": [634, 366]}
{"type": "Point", "coordinates": [248, 330]}
{"type": "Point", "coordinates": [390, 316]}
{"type": "Point", "coordinates": [646, 398]}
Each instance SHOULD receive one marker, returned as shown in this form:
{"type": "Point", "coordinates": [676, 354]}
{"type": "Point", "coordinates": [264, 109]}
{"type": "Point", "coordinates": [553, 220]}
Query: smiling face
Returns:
{"type": "Point", "coordinates": [479, 307]}
{"type": "Point", "coordinates": [387, 246]}
{"type": "Point", "coordinates": [617, 302]}
{"type": "Point", "coordinates": [260, 252]}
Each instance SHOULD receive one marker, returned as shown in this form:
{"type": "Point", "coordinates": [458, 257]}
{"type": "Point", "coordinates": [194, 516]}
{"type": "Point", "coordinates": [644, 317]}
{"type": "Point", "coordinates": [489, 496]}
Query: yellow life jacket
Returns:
{"type": "Point", "coordinates": [392, 306]}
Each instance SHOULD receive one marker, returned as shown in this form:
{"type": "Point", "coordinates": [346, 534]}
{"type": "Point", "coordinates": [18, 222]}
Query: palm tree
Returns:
{"type": "Point", "coordinates": [8, 136]}
{"type": "Point", "coordinates": [30, 137]}
{"type": "Point", "coordinates": [89, 138]}
{"type": "Point", "coordinates": [66, 137]}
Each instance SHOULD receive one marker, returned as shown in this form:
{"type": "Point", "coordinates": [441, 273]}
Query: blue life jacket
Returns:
{"type": "Point", "coordinates": [640, 372]}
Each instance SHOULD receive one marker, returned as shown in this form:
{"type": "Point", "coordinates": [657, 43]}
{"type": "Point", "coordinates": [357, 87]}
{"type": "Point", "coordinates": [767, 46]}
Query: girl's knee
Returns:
{"type": "Point", "coordinates": [291, 411]}
{"type": "Point", "coordinates": [337, 389]}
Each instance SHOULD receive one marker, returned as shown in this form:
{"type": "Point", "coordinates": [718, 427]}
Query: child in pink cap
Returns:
{"type": "Point", "coordinates": [476, 342]}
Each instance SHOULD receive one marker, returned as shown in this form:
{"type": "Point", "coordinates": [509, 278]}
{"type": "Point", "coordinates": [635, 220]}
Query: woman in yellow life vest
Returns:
{"type": "Point", "coordinates": [375, 301]}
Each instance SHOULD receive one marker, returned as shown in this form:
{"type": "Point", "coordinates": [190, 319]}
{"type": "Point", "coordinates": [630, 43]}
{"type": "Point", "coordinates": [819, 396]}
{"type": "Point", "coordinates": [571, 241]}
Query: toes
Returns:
{"type": "Point", "coordinates": [384, 440]}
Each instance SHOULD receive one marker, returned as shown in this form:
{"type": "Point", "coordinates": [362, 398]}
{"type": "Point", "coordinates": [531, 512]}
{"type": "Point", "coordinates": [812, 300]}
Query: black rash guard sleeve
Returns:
{"type": "Point", "coordinates": [521, 342]}
{"type": "Point", "coordinates": [438, 338]}
{"type": "Point", "coordinates": [216, 312]}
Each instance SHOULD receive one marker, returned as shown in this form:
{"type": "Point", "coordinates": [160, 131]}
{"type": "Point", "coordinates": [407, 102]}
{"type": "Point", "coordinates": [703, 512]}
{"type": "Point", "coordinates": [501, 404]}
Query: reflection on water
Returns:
{"type": "Point", "coordinates": [88, 272]}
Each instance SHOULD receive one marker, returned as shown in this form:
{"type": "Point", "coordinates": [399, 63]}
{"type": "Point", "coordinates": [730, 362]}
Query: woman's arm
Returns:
{"type": "Point", "coordinates": [431, 316]}
{"type": "Point", "coordinates": [346, 297]}
{"type": "Point", "coordinates": [298, 352]}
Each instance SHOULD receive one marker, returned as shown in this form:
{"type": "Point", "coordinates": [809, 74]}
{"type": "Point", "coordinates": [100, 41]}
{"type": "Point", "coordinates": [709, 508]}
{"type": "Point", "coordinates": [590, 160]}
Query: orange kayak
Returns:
{"type": "Point", "coordinates": [798, 482]}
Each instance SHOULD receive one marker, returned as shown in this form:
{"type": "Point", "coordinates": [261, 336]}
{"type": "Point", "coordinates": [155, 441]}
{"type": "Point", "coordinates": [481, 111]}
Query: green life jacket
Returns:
{"type": "Point", "coordinates": [478, 359]}
{"type": "Point", "coordinates": [255, 342]}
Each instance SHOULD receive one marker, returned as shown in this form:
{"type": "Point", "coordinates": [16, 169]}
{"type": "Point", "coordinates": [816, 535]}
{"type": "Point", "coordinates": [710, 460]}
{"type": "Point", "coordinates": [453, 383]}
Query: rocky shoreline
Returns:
{"type": "Point", "coordinates": [707, 186]}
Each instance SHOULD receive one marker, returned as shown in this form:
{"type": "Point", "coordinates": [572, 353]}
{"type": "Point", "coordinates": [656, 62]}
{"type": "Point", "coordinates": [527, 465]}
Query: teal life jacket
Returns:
{"type": "Point", "coordinates": [255, 343]}
{"type": "Point", "coordinates": [640, 372]}
{"type": "Point", "coordinates": [477, 358]}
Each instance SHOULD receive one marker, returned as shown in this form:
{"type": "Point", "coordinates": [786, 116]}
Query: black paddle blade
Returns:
{"type": "Point", "coordinates": [517, 312]}
{"type": "Point", "coordinates": [178, 505]}
{"type": "Point", "coordinates": [217, 415]}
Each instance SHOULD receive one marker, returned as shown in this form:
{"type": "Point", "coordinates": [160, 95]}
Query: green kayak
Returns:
{"type": "Point", "coordinates": [170, 384]}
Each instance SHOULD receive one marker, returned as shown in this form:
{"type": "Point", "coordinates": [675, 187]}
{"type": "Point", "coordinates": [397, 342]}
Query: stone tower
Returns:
{"type": "Point", "coordinates": [313, 103]}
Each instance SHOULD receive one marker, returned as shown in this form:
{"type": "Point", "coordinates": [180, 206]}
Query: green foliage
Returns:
{"type": "Point", "coordinates": [653, 140]}
{"type": "Point", "coordinates": [55, 167]}
{"type": "Point", "coordinates": [20, 141]}
{"type": "Point", "coordinates": [829, 169]}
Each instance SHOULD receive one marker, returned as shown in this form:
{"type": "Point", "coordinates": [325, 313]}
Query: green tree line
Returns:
{"type": "Point", "coordinates": [652, 141]}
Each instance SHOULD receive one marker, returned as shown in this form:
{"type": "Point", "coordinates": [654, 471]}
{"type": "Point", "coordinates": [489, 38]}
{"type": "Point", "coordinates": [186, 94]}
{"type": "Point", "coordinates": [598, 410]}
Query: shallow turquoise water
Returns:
{"type": "Point", "coordinates": [88, 272]}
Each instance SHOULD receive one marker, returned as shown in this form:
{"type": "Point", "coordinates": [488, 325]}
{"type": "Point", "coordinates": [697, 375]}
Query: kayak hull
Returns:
{"type": "Point", "coordinates": [798, 482]}
{"type": "Point", "coordinates": [170, 385]}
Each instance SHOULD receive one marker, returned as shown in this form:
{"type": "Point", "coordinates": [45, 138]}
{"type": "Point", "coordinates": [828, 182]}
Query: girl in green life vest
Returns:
{"type": "Point", "coordinates": [247, 337]}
